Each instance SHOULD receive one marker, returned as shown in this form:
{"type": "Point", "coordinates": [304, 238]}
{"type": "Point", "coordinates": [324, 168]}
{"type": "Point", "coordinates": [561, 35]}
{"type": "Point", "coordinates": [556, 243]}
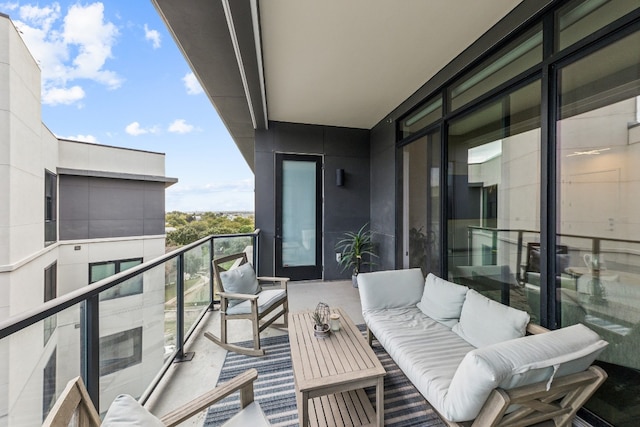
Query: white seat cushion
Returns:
{"type": "Point", "coordinates": [266, 299]}
{"type": "Point", "coordinates": [126, 411]}
{"type": "Point", "coordinates": [251, 415]}
{"type": "Point", "coordinates": [426, 351]}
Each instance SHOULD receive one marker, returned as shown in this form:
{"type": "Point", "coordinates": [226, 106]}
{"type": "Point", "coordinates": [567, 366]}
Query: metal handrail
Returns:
{"type": "Point", "coordinates": [27, 318]}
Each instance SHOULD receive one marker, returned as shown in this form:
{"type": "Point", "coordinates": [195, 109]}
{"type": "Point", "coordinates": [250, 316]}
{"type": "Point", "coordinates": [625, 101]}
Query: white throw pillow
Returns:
{"type": "Point", "coordinates": [126, 411]}
{"type": "Point", "coordinates": [442, 300]}
{"type": "Point", "coordinates": [484, 321]}
{"type": "Point", "coordinates": [240, 280]}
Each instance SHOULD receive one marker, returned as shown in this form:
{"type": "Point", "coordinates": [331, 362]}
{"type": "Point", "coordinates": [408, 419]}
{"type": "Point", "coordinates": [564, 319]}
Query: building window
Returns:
{"type": "Point", "coordinates": [120, 350]}
{"type": "Point", "coordinates": [50, 292]}
{"type": "Point", "coordinates": [50, 207]}
{"type": "Point", "coordinates": [101, 270]}
{"type": "Point", "coordinates": [49, 385]}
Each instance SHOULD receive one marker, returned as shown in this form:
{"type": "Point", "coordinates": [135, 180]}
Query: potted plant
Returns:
{"type": "Point", "coordinates": [356, 250]}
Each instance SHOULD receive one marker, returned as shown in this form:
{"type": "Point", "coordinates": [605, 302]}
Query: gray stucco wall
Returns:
{"type": "Point", "coordinates": [346, 208]}
{"type": "Point", "coordinates": [92, 208]}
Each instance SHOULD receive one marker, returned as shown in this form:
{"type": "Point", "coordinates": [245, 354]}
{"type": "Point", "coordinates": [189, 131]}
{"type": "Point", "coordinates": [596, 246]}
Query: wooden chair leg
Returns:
{"type": "Point", "coordinates": [256, 325]}
{"type": "Point", "coordinates": [286, 313]}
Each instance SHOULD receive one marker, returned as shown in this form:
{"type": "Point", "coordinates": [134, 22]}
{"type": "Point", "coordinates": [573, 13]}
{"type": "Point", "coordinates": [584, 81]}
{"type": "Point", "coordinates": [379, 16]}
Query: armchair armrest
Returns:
{"type": "Point", "coordinates": [242, 382]}
{"type": "Point", "coordinates": [234, 295]}
{"type": "Point", "coordinates": [283, 280]}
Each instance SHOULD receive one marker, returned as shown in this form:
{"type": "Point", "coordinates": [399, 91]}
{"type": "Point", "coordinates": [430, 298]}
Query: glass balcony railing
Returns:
{"type": "Point", "coordinates": [120, 334]}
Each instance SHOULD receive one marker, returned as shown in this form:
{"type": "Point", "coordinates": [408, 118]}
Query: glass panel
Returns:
{"type": "Point", "coordinates": [32, 375]}
{"type": "Point", "coordinates": [170, 308]}
{"type": "Point", "coordinates": [598, 156]}
{"type": "Point", "coordinates": [133, 336]}
{"type": "Point", "coordinates": [494, 194]}
{"type": "Point", "coordinates": [517, 57]}
{"type": "Point", "coordinates": [298, 213]}
{"type": "Point", "coordinates": [581, 18]}
{"type": "Point", "coordinates": [196, 283]}
{"type": "Point", "coordinates": [427, 114]}
{"type": "Point", "coordinates": [422, 204]}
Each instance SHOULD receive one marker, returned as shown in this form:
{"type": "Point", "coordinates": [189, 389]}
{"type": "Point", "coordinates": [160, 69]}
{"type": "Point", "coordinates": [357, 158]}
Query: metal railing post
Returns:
{"type": "Point", "coordinates": [211, 278]}
{"type": "Point", "coordinates": [91, 342]}
{"type": "Point", "coordinates": [180, 307]}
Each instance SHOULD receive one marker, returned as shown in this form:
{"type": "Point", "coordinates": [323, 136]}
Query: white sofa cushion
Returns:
{"type": "Point", "coordinates": [390, 289]}
{"type": "Point", "coordinates": [266, 299]}
{"type": "Point", "coordinates": [515, 363]}
{"type": "Point", "coordinates": [442, 300]}
{"type": "Point", "coordinates": [484, 321]}
{"type": "Point", "coordinates": [426, 351]}
{"type": "Point", "coordinates": [241, 280]}
{"type": "Point", "coordinates": [126, 411]}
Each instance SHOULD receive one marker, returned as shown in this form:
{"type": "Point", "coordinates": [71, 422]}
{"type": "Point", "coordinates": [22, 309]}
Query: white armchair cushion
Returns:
{"type": "Point", "coordinates": [484, 321]}
{"type": "Point", "coordinates": [442, 300]}
{"type": "Point", "coordinates": [390, 288]}
{"type": "Point", "coordinates": [126, 411]}
{"type": "Point", "coordinates": [518, 362]}
{"type": "Point", "coordinates": [241, 280]}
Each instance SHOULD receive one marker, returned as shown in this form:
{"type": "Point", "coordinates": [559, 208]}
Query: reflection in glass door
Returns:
{"type": "Point", "coordinates": [421, 195]}
{"type": "Point", "coordinates": [298, 216]}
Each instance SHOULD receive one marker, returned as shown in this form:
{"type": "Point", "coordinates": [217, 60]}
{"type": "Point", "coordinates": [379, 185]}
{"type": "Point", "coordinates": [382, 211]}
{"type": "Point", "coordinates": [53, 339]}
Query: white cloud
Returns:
{"type": "Point", "coordinates": [64, 96]}
{"type": "Point", "coordinates": [153, 36]}
{"type": "Point", "coordinates": [9, 6]}
{"type": "Point", "coordinates": [180, 126]}
{"type": "Point", "coordinates": [192, 84]}
{"type": "Point", "coordinates": [135, 129]}
{"type": "Point", "coordinates": [82, 138]}
{"type": "Point", "coordinates": [70, 47]}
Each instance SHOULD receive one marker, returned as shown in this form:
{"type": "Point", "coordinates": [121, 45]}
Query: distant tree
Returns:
{"type": "Point", "coordinates": [188, 228]}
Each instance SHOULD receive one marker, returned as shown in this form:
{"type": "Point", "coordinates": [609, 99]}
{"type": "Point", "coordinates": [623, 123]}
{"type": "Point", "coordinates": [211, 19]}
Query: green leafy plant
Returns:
{"type": "Point", "coordinates": [356, 250]}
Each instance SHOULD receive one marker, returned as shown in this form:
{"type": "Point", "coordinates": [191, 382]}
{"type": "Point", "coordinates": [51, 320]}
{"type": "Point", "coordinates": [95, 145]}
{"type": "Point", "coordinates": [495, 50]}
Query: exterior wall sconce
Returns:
{"type": "Point", "coordinates": [339, 177]}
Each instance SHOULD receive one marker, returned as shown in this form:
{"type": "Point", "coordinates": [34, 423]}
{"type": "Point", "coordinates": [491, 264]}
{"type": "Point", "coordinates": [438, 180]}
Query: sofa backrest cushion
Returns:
{"type": "Point", "coordinates": [390, 288]}
{"type": "Point", "coordinates": [484, 321]}
{"type": "Point", "coordinates": [519, 362]}
{"type": "Point", "coordinates": [442, 300]}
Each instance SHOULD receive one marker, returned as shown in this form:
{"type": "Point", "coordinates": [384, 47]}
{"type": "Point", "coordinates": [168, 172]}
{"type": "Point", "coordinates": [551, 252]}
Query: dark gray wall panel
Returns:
{"type": "Point", "coordinates": [384, 194]}
{"type": "Point", "coordinates": [345, 208]}
{"type": "Point", "coordinates": [92, 208]}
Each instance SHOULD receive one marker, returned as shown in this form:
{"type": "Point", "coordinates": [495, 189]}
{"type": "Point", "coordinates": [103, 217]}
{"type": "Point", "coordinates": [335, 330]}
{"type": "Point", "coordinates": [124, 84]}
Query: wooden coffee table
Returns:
{"type": "Point", "coordinates": [330, 374]}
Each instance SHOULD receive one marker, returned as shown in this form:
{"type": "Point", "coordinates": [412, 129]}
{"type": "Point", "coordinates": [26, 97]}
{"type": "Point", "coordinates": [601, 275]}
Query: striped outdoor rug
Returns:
{"type": "Point", "coordinates": [274, 389]}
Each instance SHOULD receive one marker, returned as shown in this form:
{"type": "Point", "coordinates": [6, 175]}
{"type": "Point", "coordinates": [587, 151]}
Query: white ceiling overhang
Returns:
{"type": "Point", "coordinates": [331, 62]}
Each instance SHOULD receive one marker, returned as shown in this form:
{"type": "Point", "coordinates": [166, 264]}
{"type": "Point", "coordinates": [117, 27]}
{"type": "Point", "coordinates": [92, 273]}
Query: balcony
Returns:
{"type": "Point", "coordinates": [138, 332]}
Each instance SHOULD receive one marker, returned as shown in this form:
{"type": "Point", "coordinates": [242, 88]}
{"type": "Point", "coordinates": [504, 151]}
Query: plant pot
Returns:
{"type": "Point", "coordinates": [354, 280]}
{"type": "Point", "coordinates": [323, 332]}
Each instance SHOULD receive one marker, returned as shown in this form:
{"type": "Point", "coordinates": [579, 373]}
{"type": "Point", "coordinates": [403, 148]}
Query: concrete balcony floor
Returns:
{"type": "Point", "coordinates": [184, 381]}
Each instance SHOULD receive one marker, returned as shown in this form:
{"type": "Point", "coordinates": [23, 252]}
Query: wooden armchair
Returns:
{"type": "Point", "coordinates": [75, 404]}
{"type": "Point", "coordinates": [241, 297]}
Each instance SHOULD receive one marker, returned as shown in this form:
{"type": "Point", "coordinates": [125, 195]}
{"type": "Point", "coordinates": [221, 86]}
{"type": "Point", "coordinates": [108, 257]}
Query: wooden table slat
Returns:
{"type": "Point", "coordinates": [330, 374]}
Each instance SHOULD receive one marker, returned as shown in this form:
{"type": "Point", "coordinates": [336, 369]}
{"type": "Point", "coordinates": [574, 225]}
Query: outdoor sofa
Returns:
{"type": "Point", "coordinates": [476, 361]}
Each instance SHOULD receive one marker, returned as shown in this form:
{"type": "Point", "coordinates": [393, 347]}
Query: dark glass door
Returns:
{"type": "Point", "coordinates": [298, 239]}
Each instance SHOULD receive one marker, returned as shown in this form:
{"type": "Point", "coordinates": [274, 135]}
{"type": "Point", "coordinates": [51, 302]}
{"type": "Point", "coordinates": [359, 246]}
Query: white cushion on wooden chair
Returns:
{"type": "Point", "coordinates": [126, 411]}
{"type": "Point", "coordinates": [266, 299]}
{"type": "Point", "coordinates": [251, 415]}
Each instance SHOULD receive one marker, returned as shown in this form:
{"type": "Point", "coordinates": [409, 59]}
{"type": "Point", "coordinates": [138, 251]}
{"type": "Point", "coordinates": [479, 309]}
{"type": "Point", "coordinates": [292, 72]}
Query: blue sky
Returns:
{"type": "Point", "coordinates": [112, 74]}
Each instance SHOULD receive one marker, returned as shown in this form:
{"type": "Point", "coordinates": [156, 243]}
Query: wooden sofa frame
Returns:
{"type": "Point", "coordinates": [558, 405]}
{"type": "Point", "coordinates": [74, 402]}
